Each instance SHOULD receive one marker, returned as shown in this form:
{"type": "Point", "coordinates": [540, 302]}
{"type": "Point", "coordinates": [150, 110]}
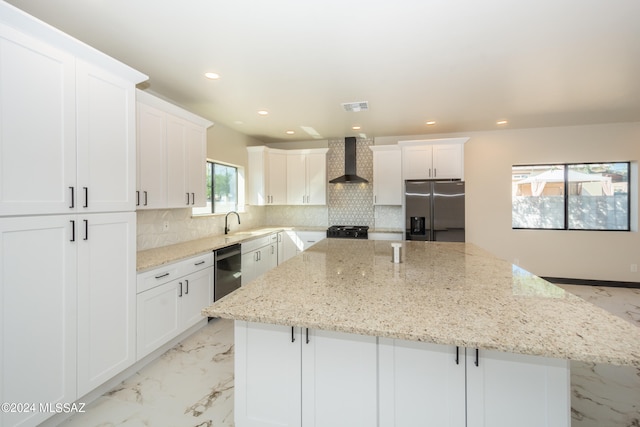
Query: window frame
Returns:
{"type": "Point", "coordinates": [567, 195]}
{"type": "Point", "coordinates": [239, 181]}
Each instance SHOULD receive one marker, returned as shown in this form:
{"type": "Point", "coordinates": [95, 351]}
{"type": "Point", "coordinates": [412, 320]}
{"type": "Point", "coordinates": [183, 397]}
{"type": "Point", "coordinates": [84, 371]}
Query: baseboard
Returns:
{"type": "Point", "coordinates": [609, 283]}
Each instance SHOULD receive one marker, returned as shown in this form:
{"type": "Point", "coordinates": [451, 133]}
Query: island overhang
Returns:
{"type": "Point", "coordinates": [442, 292]}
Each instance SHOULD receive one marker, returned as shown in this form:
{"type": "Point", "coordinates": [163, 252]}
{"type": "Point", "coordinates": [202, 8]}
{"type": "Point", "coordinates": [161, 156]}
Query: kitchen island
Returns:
{"type": "Point", "coordinates": [445, 302]}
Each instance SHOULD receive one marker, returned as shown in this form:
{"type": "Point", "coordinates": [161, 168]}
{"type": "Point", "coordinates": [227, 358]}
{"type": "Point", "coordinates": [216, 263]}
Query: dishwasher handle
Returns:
{"type": "Point", "coordinates": [227, 252]}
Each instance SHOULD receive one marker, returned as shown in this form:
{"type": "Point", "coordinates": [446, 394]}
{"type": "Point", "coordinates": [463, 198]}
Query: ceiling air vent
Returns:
{"type": "Point", "coordinates": [354, 107]}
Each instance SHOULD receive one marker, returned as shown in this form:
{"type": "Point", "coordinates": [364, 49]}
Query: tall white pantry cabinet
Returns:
{"type": "Point", "coordinates": [67, 219]}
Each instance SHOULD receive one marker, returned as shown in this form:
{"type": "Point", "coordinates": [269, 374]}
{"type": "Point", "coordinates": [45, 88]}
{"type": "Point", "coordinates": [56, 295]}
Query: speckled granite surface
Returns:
{"type": "Point", "coordinates": [445, 293]}
{"type": "Point", "coordinates": [156, 257]}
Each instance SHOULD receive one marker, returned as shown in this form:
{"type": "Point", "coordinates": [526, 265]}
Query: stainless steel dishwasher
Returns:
{"type": "Point", "coordinates": [227, 272]}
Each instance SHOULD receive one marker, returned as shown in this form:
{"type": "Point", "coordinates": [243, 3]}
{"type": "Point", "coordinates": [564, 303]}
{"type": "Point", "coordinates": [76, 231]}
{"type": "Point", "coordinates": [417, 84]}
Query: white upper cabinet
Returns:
{"type": "Point", "coordinates": [287, 177]}
{"type": "Point", "coordinates": [106, 140]}
{"type": "Point", "coordinates": [267, 176]}
{"type": "Point", "coordinates": [152, 159]}
{"type": "Point", "coordinates": [307, 177]}
{"type": "Point", "coordinates": [277, 177]}
{"type": "Point", "coordinates": [37, 118]}
{"type": "Point", "coordinates": [68, 129]}
{"type": "Point", "coordinates": [172, 155]}
{"type": "Point", "coordinates": [387, 175]}
{"type": "Point", "coordinates": [433, 159]}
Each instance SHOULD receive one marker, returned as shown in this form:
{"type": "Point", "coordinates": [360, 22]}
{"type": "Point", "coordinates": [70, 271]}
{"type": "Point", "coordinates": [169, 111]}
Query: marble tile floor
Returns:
{"type": "Point", "coordinates": [192, 384]}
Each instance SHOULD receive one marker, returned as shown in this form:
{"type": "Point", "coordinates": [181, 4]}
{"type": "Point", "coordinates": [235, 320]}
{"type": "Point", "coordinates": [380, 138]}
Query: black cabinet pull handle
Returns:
{"type": "Point", "coordinates": [161, 276]}
{"type": "Point", "coordinates": [73, 231]}
{"type": "Point", "coordinates": [477, 362]}
{"type": "Point", "coordinates": [73, 197]}
{"type": "Point", "coordinates": [145, 198]}
{"type": "Point", "coordinates": [180, 294]}
{"type": "Point", "coordinates": [307, 335]}
{"type": "Point", "coordinates": [186, 292]}
{"type": "Point", "coordinates": [293, 337]}
{"type": "Point", "coordinates": [86, 197]}
{"type": "Point", "coordinates": [457, 355]}
{"type": "Point", "coordinates": [86, 229]}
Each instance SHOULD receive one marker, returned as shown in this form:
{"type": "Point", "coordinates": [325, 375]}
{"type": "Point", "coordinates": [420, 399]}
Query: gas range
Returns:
{"type": "Point", "coordinates": [349, 231]}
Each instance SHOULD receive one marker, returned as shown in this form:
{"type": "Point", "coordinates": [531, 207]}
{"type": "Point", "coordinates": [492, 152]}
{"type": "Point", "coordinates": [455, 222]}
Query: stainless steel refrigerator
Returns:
{"type": "Point", "coordinates": [434, 210]}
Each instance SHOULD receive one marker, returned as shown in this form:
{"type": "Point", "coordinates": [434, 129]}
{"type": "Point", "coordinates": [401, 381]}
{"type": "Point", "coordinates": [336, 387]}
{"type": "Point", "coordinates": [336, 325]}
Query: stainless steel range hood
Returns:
{"type": "Point", "coordinates": [349, 176]}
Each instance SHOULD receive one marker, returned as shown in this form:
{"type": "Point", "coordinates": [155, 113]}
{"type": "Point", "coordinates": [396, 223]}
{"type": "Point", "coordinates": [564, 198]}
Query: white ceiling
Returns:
{"type": "Point", "coordinates": [463, 63]}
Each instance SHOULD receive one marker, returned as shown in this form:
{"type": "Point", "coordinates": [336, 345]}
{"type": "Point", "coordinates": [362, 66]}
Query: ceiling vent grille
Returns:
{"type": "Point", "coordinates": [354, 107]}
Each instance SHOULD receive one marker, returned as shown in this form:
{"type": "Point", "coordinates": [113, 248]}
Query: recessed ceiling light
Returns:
{"type": "Point", "coordinates": [212, 76]}
{"type": "Point", "coordinates": [263, 112]}
{"type": "Point", "coordinates": [502, 122]}
{"type": "Point", "coordinates": [290, 132]}
{"type": "Point", "coordinates": [356, 127]}
{"type": "Point", "coordinates": [430, 123]}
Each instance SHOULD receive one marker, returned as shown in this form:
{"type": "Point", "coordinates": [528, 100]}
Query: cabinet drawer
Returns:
{"type": "Point", "coordinates": [161, 275]}
{"type": "Point", "coordinates": [258, 243]}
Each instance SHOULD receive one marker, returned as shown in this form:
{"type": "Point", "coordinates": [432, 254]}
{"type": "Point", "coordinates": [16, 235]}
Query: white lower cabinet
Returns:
{"type": "Point", "coordinates": [170, 300]}
{"type": "Point", "coordinates": [66, 299]}
{"type": "Point", "coordinates": [288, 377]}
{"type": "Point", "coordinates": [37, 314]}
{"type": "Point", "coordinates": [259, 256]}
{"type": "Point", "coordinates": [339, 384]}
{"type": "Point", "coordinates": [421, 384]}
{"type": "Point", "coordinates": [429, 384]}
{"type": "Point", "coordinates": [106, 297]}
{"type": "Point", "coordinates": [507, 389]}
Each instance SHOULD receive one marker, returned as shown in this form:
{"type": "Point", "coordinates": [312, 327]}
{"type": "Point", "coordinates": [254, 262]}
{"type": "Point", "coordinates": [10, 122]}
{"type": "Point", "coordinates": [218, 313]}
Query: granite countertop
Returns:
{"type": "Point", "coordinates": [444, 293]}
{"type": "Point", "coordinates": [156, 257]}
{"type": "Point", "coordinates": [151, 258]}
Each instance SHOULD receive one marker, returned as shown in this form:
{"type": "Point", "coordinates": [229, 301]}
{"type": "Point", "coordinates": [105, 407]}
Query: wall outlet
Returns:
{"type": "Point", "coordinates": [634, 268]}
{"type": "Point", "coordinates": [165, 226]}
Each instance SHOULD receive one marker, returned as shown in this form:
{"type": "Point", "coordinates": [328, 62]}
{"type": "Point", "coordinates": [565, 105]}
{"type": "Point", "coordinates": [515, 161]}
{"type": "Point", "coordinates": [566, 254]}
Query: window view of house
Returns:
{"type": "Point", "coordinates": [581, 196]}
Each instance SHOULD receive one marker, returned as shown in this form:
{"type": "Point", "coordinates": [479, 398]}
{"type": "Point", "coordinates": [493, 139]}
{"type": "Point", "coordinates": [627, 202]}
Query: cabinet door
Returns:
{"type": "Point", "coordinates": [195, 170]}
{"type": "Point", "coordinates": [316, 178]}
{"type": "Point", "coordinates": [296, 179]}
{"type": "Point", "coordinates": [277, 178]}
{"type": "Point", "coordinates": [447, 161]}
{"type": "Point", "coordinates": [421, 384]}
{"type": "Point", "coordinates": [37, 314]}
{"type": "Point", "coordinates": [197, 293]}
{"type": "Point", "coordinates": [106, 297]}
{"type": "Point", "coordinates": [339, 381]}
{"type": "Point", "coordinates": [106, 141]}
{"type": "Point", "coordinates": [152, 181]}
{"type": "Point", "coordinates": [417, 162]}
{"type": "Point", "coordinates": [178, 196]}
{"type": "Point", "coordinates": [267, 375]}
{"type": "Point", "coordinates": [506, 389]}
{"type": "Point", "coordinates": [37, 118]}
{"type": "Point", "coordinates": [158, 317]}
{"type": "Point", "coordinates": [249, 261]}
{"type": "Point", "coordinates": [387, 177]}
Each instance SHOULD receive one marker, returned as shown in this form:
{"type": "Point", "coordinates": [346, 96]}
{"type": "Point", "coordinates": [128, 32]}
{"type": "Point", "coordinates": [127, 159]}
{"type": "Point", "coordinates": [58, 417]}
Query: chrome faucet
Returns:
{"type": "Point", "coordinates": [226, 227]}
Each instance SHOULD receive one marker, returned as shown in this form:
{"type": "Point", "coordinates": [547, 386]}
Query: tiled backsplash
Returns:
{"type": "Point", "coordinates": [182, 226]}
{"type": "Point", "coordinates": [347, 204]}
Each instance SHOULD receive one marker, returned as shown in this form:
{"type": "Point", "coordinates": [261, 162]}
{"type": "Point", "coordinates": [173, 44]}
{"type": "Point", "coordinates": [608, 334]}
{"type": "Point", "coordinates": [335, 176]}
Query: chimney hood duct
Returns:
{"type": "Point", "coordinates": [349, 176]}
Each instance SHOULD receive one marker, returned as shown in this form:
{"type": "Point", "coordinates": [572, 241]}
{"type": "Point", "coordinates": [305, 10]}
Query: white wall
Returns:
{"type": "Point", "coordinates": [594, 255]}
